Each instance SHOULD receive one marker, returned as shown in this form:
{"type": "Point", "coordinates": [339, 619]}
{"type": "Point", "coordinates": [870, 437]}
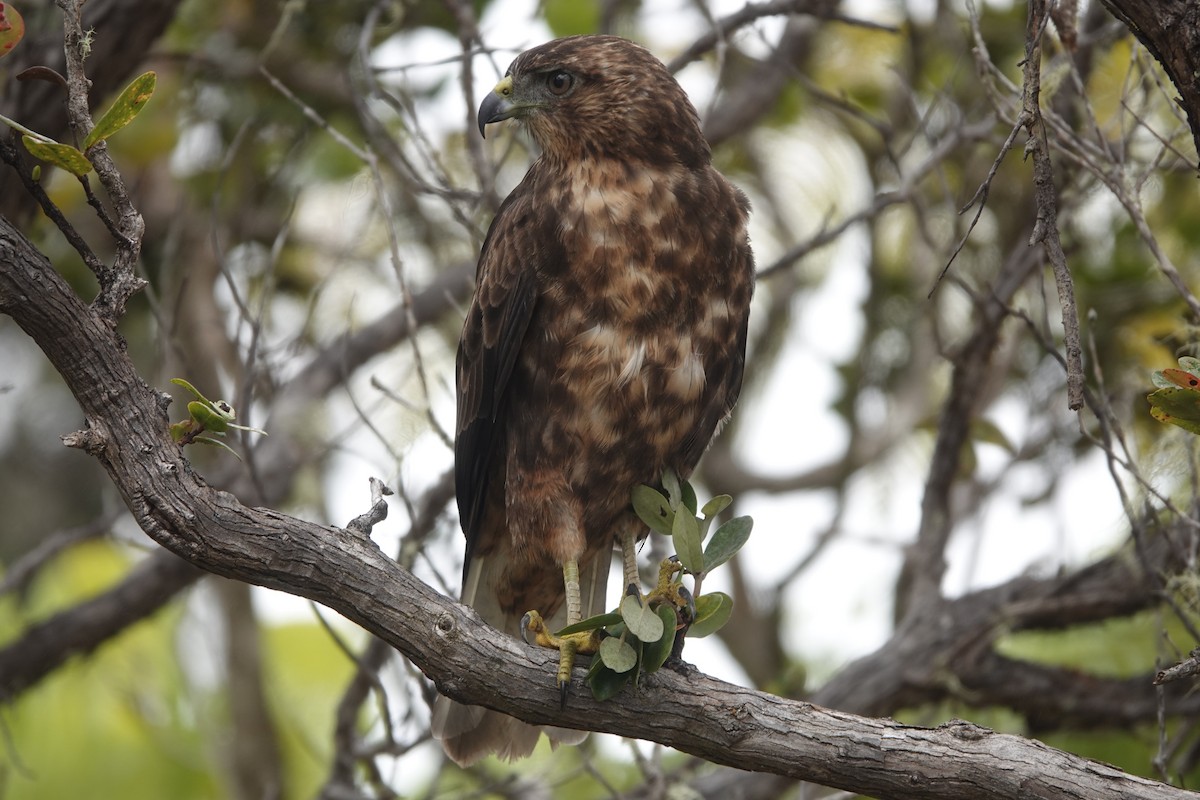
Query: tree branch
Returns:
{"type": "Point", "coordinates": [44, 647]}
{"type": "Point", "coordinates": [127, 432]}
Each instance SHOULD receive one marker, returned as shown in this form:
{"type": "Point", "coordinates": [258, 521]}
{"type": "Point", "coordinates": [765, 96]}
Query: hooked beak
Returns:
{"type": "Point", "coordinates": [498, 105]}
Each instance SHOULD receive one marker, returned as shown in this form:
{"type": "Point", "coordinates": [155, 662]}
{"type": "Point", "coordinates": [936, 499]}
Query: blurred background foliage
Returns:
{"type": "Point", "coordinates": [859, 130]}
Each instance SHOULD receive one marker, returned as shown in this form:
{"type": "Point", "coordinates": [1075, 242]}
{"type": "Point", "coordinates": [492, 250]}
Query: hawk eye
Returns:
{"type": "Point", "coordinates": [560, 82]}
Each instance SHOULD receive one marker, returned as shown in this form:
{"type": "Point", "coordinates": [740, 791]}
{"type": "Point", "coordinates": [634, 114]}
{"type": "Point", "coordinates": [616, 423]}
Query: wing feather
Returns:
{"type": "Point", "coordinates": [506, 296]}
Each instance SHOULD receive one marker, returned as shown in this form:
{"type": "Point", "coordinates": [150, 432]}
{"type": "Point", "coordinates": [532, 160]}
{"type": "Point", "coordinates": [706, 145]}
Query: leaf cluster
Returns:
{"type": "Point", "coordinates": [644, 632]}
{"type": "Point", "coordinates": [119, 114]}
{"type": "Point", "coordinates": [1176, 401]}
{"type": "Point", "coordinates": [214, 417]}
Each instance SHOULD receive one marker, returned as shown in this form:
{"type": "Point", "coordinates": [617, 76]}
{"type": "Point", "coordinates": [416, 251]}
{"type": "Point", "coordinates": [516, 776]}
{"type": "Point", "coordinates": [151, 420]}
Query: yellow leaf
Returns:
{"type": "Point", "coordinates": [123, 109]}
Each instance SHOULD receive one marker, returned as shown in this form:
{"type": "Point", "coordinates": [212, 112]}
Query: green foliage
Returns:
{"type": "Point", "coordinates": [685, 533]}
{"type": "Point", "coordinates": [570, 17]}
{"type": "Point", "coordinates": [58, 154]}
{"type": "Point", "coordinates": [127, 106]}
{"type": "Point", "coordinates": [126, 720]}
{"type": "Point", "coordinates": [641, 620]}
{"type": "Point", "coordinates": [725, 543]}
{"type": "Point", "coordinates": [712, 612]}
{"type": "Point", "coordinates": [120, 113]}
{"type": "Point", "coordinates": [1116, 648]}
{"type": "Point", "coordinates": [213, 417]}
{"type": "Point", "coordinates": [129, 695]}
{"type": "Point", "coordinates": [644, 631]}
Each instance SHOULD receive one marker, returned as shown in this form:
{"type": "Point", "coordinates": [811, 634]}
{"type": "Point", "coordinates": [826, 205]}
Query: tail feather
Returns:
{"type": "Point", "coordinates": [470, 733]}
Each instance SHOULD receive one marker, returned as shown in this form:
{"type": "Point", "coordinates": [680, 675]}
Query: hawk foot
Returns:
{"type": "Point", "coordinates": [669, 591]}
{"type": "Point", "coordinates": [534, 630]}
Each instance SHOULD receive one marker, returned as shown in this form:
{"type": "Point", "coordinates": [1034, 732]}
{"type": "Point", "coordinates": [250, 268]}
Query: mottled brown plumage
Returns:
{"type": "Point", "coordinates": [605, 341]}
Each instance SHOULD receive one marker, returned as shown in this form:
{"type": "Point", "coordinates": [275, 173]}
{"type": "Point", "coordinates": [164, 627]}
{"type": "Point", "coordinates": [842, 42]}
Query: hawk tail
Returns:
{"type": "Point", "coordinates": [470, 733]}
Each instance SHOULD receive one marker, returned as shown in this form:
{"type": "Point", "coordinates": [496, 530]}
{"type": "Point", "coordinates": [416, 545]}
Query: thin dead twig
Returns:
{"type": "Point", "coordinates": [1045, 228]}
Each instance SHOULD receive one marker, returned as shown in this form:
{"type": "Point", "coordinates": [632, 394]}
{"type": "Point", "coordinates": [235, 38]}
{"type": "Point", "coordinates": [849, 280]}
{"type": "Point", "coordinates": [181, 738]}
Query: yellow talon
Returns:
{"type": "Point", "coordinates": [667, 589]}
{"type": "Point", "coordinates": [586, 642]}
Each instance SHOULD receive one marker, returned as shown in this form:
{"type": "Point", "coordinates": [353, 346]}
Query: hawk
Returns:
{"type": "Point", "coordinates": [605, 342]}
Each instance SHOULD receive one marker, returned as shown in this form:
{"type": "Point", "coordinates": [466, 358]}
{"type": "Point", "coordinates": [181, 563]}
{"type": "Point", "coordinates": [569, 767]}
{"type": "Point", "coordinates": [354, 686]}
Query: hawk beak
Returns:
{"type": "Point", "coordinates": [498, 105]}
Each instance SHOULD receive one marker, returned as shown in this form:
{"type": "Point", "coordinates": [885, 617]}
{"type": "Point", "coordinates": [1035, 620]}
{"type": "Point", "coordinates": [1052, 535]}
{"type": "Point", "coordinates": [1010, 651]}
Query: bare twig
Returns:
{"type": "Point", "coordinates": [120, 282]}
{"type": "Point", "coordinates": [1045, 230]}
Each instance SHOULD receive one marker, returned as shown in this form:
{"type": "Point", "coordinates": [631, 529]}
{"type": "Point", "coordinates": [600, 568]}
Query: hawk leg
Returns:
{"type": "Point", "coordinates": [570, 644]}
{"type": "Point", "coordinates": [669, 588]}
{"type": "Point", "coordinates": [629, 559]}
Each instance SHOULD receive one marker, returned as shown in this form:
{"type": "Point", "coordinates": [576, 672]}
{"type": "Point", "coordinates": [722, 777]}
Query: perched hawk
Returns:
{"type": "Point", "coordinates": [605, 341]}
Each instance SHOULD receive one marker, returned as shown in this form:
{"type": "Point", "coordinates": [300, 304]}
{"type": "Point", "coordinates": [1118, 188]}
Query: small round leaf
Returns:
{"type": "Point", "coordinates": [716, 505]}
{"type": "Point", "coordinates": [712, 612]}
{"type": "Point", "coordinates": [617, 655]}
{"type": "Point", "coordinates": [653, 509]}
{"type": "Point", "coordinates": [605, 682]}
{"type": "Point", "coordinates": [640, 619]}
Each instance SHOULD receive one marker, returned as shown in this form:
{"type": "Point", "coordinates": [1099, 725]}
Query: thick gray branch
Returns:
{"type": "Point", "coordinates": [127, 433]}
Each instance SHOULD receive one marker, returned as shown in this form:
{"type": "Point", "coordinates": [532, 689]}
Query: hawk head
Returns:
{"type": "Point", "coordinates": [598, 97]}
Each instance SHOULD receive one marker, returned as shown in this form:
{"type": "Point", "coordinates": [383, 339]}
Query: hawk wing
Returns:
{"type": "Point", "coordinates": [506, 294]}
{"type": "Point", "coordinates": [725, 384]}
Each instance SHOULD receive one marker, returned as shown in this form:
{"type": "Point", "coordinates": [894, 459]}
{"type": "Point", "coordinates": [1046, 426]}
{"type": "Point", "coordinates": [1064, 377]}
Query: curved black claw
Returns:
{"type": "Point", "coordinates": [690, 605]}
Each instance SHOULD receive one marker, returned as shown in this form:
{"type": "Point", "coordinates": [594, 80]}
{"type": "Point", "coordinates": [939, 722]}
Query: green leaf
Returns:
{"type": "Point", "coordinates": [728, 539]}
{"type": "Point", "coordinates": [640, 619]}
{"type": "Point", "coordinates": [195, 392]}
{"type": "Point", "coordinates": [1175, 405]}
{"type": "Point", "coordinates": [12, 28]}
{"type": "Point", "coordinates": [60, 155]}
{"type": "Point", "coordinates": [206, 415]}
{"type": "Point", "coordinates": [123, 109]}
{"type": "Point", "coordinates": [591, 623]}
{"type": "Point", "coordinates": [689, 496]}
{"type": "Point", "coordinates": [617, 655]}
{"type": "Point", "coordinates": [670, 482]}
{"type": "Point", "coordinates": [716, 505]}
{"type": "Point", "coordinates": [653, 509]}
{"type": "Point", "coordinates": [655, 654]}
{"type": "Point", "coordinates": [605, 682]}
{"type": "Point", "coordinates": [248, 428]}
{"type": "Point", "coordinates": [217, 443]}
{"type": "Point", "coordinates": [712, 612]}
{"type": "Point", "coordinates": [685, 533]}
